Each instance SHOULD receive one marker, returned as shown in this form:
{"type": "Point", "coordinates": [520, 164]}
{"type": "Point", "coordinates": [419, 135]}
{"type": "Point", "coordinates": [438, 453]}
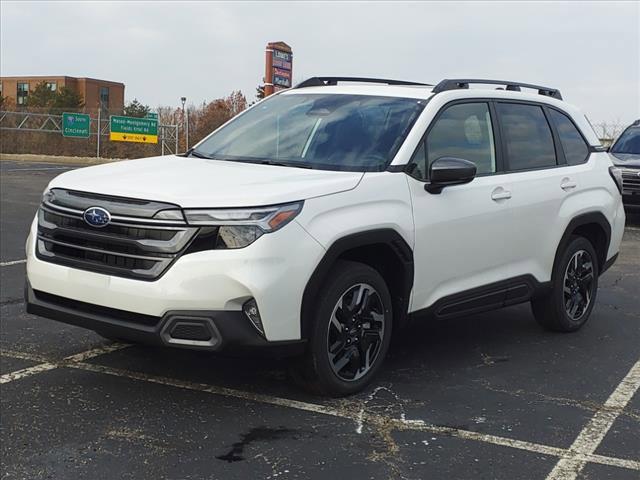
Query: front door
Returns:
{"type": "Point", "coordinates": [461, 233]}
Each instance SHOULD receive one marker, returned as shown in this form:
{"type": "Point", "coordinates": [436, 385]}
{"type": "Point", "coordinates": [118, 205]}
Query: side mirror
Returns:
{"type": "Point", "coordinates": [447, 171]}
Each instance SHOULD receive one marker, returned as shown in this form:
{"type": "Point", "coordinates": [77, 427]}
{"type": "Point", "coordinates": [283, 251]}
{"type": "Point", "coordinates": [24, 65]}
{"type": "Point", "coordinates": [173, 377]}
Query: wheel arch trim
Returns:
{"type": "Point", "coordinates": [384, 236]}
{"type": "Point", "coordinates": [581, 220]}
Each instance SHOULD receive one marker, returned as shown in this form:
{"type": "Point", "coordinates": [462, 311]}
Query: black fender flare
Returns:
{"type": "Point", "coordinates": [385, 236]}
{"type": "Point", "coordinates": [581, 220]}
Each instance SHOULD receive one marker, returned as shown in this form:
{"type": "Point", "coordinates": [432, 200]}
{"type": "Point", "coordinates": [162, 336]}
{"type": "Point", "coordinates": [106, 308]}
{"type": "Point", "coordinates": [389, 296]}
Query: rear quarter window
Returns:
{"type": "Point", "coordinates": [575, 148]}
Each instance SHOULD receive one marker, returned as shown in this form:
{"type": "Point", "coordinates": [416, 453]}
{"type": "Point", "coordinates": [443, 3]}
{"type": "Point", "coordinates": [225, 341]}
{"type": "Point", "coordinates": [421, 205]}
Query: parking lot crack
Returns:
{"type": "Point", "coordinates": [561, 401]}
{"type": "Point", "coordinates": [134, 436]}
{"type": "Point", "coordinates": [381, 425]}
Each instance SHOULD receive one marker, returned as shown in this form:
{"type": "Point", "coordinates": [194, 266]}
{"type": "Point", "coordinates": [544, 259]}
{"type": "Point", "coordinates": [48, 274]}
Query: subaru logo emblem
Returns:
{"type": "Point", "coordinates": [96, 217]}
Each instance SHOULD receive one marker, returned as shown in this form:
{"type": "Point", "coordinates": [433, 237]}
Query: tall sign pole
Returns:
{"type": "Point", "coordinates": [99, 132]}
{"type": "Point", "coordinates": [278, 72]}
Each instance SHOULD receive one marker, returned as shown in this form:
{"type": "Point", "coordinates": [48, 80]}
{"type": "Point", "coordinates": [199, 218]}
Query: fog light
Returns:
{"type": "Point", "coordinates": [250, 309]}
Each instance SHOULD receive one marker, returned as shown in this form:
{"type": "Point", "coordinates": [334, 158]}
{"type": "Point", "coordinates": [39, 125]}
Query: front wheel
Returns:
{"type": "Point", "coordinates": [351, 331]}
{"type": "Point", "coordinates": [574, 285]}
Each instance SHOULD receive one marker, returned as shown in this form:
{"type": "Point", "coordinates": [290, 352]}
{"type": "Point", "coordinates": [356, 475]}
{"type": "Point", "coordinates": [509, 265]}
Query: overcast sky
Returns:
{"type": "Point", "coordinates": [164, 50]}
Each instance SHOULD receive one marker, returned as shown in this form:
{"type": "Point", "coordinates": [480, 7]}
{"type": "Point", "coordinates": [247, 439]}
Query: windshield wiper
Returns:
{"type": "Point", "coordinates": [192, 152]}
{"type": "Point", "coordinates": [284, 164]}
{"type": "Point", "coordinates": [264, 161]}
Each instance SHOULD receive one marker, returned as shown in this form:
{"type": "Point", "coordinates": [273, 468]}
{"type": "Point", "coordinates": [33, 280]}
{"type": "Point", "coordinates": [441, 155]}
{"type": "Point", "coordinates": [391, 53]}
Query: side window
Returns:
{"type": "Point", "coordinates": [527, 136]}
{"type": "Point", "coordinates": [574, 146]}
{"type": "Point", "coordinates": [463, 131]}
{"type": "Point", "coordinates": [419, 163]}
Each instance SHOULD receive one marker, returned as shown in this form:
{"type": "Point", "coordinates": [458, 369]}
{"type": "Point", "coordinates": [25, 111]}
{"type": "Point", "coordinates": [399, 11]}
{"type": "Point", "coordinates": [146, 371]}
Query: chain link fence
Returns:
{"type": "Point", "coordinates": [608, 132]}
{"type": "Point", "coordinates": [39, 131]}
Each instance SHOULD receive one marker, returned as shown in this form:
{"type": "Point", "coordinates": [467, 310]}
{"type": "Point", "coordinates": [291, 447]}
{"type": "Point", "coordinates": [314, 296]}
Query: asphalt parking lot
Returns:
{"type": "Point", "coordinates": [490, 396]}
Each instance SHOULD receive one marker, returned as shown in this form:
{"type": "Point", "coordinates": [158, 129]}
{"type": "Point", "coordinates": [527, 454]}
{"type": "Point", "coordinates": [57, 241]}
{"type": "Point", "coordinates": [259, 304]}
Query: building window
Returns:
{"type": "Point", "coordinates": [52, 86]}
{"type": "Point", "coordinates": [23, 92]}
{"type": "Point", "coordinates": [104, 96]}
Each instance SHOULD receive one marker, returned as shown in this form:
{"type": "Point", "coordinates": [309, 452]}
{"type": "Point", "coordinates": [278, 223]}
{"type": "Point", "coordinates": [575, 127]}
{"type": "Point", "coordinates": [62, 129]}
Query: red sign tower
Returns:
{"type": "Point", "coordinates": [278, 67]}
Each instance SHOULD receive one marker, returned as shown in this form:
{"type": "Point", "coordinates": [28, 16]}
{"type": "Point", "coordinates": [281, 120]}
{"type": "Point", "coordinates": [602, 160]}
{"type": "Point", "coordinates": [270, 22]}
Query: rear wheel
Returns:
{"type": "Point", "coordinates": [351, 331]}
{"type": "Point", "coordinates": [573, 292]}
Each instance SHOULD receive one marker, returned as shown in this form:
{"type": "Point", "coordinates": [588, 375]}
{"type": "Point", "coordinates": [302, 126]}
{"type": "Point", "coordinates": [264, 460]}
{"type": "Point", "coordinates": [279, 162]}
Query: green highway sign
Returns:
{"type": "Point", "coordinates": [152, 115]}
{"type": "Point", "coordinates": [133, 129]}
{"type": "Point", "coordinates": [75, 125]}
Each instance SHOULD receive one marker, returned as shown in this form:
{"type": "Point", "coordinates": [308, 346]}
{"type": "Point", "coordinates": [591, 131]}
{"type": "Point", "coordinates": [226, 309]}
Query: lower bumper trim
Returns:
{"type": "Point", "coordinates": [212, 330]}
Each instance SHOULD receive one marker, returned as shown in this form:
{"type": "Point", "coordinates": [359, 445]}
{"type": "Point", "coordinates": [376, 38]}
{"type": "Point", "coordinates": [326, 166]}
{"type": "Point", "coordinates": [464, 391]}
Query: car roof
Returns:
{"type": "Point", "coordinates": [403, 91]}
{"type": "Point", "coordinates": [425, 92]}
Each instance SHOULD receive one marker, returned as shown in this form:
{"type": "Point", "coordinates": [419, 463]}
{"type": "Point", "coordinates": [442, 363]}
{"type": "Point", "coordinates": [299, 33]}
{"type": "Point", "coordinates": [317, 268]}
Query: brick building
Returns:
{"type": "Point", "coordinates": [96, 93]}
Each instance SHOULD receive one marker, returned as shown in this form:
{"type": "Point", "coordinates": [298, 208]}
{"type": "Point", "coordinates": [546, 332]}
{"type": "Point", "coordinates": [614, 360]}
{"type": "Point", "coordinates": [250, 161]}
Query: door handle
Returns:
{"type": "Point", "coordinates": [500, 194]}
{"type": "Point", "coordinates": [567, 184]}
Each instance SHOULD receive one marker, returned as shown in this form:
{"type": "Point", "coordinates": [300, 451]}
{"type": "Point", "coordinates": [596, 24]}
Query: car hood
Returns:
{"type": "Point", "coordinates": [196, 182]}
{"type": "Point", "coordinates": [631, 160]}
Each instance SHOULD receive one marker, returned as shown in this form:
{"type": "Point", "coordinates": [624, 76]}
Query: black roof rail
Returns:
{"type": "Point", "coordinates": [324, 81]}
{"type": "Point", "coordinates": [457, 83]}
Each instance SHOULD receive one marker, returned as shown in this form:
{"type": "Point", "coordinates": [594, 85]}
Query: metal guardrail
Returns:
{"type": "Point", "coordinates": [51, 123]}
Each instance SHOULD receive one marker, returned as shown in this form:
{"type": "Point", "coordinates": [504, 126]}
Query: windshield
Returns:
{"type": "Point", "coordinates": [333, 132]}
{"type": "Point", "coordinates": [629, 142]}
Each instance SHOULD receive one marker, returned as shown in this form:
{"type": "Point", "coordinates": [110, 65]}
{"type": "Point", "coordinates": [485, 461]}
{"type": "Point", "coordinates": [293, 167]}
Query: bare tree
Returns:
{"type": "Point", "coordinates": [607, 132]}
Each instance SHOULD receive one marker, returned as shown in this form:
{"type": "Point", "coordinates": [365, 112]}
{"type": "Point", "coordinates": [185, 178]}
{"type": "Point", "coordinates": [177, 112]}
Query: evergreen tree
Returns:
{"type": "Point", "coordinates": [136, 109]}
{"type": "Point", "coordinates": [41, 96]}
{"type": "Point", "coordinates": [67, 99]}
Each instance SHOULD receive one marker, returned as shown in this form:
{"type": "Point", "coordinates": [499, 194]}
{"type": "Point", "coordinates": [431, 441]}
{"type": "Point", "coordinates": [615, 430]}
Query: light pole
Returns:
{"type": "Point", "coordinates": [185, 118]}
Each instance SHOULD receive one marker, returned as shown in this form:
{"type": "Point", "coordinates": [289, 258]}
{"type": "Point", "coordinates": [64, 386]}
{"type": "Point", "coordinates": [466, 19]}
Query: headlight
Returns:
{"type": "Point", "coordinates": [616, 174]}
{"type": "Point", "coordinates": [240, 227]}
{"type": "Point", "coordinates": [269, 219]}
{"type": "Point", "coordinates": [47, 196]}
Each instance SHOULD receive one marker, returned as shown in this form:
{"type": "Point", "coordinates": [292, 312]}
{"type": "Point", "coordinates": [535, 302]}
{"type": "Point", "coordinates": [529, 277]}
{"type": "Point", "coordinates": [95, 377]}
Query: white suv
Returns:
{"type": "Point", "coordinates": [325, 216]}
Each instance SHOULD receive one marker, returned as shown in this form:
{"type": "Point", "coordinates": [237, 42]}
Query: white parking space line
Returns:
{"type": "Point", "coordinates": [32, 357]}
{"type": "Point", "coordinates": [214, 389]}
{"type": "Point", "coordinates": [26, 372]}
{"type": "Point", "coordinates": [357, 416]}
{"type": "Point", "coordinates": [94, 352]}
{"type": "Point", "coordinates": [12, 262]}
{"type": "Point", "coordinates": [50, 365]}
{"type": "Point", "coordinates": [522, 445]}
{"type": "Point", "coordinates": [353, 414]}
{"type": "Point", "coordinates": [593, 433]}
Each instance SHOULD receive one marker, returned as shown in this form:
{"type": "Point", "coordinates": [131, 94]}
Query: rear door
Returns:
{"type": "Point", "coordinates": [541, 184]}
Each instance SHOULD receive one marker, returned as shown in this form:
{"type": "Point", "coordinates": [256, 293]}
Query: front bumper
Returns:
{"type": "Point", "coordinates": [200, 330]}
{"type": "Point", "coordinates": [274, 271]}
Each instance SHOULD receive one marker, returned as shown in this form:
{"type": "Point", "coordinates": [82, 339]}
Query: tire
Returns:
{"type": "Point", "coordinates": [574, 286]}
{"type": "Point", "coordinates": [341, 361]}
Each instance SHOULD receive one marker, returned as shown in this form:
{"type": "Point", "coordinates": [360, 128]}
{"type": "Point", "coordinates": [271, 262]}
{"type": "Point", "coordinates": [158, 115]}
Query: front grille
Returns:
{"type": "Point", "coordinates": [631, 181]}
{"type": "Point", "coordinates": [132, 247]}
